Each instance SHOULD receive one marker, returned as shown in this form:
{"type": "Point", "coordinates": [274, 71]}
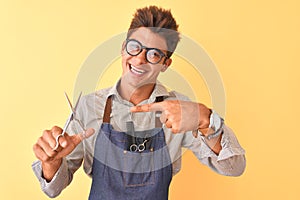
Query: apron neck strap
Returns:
{"type": "Point", "coordinates": [107, 110]}
{"type": "Point", "coordinates": [158, 123]}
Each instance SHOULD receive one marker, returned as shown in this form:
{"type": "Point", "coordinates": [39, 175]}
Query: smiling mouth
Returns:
{"type": "Point", "coordinates": [135, 70]}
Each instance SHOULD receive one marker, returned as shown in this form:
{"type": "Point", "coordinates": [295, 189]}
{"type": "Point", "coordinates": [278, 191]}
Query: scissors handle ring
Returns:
{"type": "Point", "coordinates": [133, 148]}
{"type": "Point", "coordinates": [57, 141]}
{"type": "Point", "coordinates": [141, 147]}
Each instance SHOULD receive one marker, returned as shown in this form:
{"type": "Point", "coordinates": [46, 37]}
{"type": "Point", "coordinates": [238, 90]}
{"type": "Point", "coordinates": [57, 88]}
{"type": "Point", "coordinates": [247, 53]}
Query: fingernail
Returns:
{"type": "Point", "coordinates": [64, 144]}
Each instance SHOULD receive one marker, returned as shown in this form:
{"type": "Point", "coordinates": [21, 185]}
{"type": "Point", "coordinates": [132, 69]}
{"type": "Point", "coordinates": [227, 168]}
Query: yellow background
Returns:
{"type": "Point", "coordinates": [255, 45]}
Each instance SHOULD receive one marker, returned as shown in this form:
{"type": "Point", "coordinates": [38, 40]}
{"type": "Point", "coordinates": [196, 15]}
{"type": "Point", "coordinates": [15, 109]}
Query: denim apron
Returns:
{"type": "Point", "coordinates": [130, 166]}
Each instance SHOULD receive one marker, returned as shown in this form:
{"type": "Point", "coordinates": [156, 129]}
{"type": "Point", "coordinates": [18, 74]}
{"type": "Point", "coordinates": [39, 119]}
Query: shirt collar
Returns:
{"type": "Point", "coordinates": [114, 90]}
{"type": "Point", "coordinates": [159, 90]}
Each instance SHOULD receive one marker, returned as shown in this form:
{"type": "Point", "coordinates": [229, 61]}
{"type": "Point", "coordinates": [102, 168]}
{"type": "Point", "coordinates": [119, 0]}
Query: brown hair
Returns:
{"type": "Point", "coordinates": [159, 21]}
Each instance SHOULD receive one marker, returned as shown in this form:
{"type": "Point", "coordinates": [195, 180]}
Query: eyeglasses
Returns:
{"type": "Point", "coordinates": [153, 55]}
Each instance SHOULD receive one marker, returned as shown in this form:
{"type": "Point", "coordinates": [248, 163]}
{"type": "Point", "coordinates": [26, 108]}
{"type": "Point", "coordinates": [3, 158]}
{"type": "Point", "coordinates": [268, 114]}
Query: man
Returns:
{"type": "Point", "coordinates": [136, 129]}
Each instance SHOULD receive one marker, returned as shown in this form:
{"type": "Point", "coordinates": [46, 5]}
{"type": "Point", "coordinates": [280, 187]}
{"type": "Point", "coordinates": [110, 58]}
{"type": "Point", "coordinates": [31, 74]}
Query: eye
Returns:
{"type": "Point", "coordinates": [154, 55]}
{"type": "Point", "coordinates": [133, 47]}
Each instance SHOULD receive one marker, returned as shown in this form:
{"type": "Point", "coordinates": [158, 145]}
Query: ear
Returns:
{"type": "Point", "coordinates": [168, 62]}
{"type": "Point", "coordinates": [123, 47]}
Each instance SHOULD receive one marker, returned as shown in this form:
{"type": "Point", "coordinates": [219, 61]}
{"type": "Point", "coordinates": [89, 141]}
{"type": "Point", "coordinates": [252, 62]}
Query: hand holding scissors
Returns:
{"type": "Point", "coordinates": [55, 144]}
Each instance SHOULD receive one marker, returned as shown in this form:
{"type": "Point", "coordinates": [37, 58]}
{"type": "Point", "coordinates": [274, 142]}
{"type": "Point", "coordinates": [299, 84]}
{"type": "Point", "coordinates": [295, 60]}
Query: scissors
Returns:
{"type": "Point", "coordinates": [71, 117]}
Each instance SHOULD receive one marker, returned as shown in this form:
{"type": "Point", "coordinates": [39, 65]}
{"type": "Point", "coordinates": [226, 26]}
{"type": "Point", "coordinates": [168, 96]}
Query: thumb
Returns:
{"type": "Point", "coordinates": [76, 139]}
{"type": "Point", "coordinates": [73, 141]}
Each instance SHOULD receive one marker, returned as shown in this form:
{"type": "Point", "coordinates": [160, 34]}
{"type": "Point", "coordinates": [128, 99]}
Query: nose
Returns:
{"type": "Point", "coordinates": [141, 57]}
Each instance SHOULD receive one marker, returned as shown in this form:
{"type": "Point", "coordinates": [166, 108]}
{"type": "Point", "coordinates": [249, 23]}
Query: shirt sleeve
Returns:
{"type": "Point", "coordinates": [64, 174]}
{"type": "Point", "coordinates": [60, 180]}
{"type": "Point", "coordinates": [231, 159]}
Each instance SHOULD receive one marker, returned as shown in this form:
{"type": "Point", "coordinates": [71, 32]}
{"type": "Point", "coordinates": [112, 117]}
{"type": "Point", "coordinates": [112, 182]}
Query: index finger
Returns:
{"type": "Point", "coordinates": [151, 107]}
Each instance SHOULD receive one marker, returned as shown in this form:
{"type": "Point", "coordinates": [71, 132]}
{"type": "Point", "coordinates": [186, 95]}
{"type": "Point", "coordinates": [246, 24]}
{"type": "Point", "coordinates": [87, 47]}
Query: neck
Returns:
{"type": "Point", "coordinates": [135, 95]}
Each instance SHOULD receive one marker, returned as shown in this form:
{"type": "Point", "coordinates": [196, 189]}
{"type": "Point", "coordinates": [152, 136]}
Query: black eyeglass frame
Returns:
{"type": "Point", "coordinates": [147, 50]}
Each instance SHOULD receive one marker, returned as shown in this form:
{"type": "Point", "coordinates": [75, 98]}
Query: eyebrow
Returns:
{"type": "Point", "coordinates": [161, 49]}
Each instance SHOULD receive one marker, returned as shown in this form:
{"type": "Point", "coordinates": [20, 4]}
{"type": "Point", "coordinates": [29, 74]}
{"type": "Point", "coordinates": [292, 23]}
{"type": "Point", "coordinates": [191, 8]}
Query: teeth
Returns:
{"type": "Point", "coordinates": [136, 70]}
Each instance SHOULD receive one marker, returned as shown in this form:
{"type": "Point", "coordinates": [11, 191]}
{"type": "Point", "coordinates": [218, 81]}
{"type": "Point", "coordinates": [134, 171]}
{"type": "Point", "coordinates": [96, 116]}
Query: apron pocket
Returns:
{"type": "Point", "coordinates": [138, 169]}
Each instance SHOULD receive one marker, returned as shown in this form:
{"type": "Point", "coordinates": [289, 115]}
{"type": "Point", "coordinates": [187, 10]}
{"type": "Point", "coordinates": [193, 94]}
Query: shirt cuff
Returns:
{"type": "Point", "coordinates": [229, 143]}
{"type": "Point", "coordinates": [58, 182]}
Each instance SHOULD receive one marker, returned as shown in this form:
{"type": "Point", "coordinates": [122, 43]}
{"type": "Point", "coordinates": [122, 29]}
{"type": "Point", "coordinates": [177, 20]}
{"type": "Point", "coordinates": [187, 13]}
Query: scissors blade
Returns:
{"type": "Point", "coordinates": [67, 124]}
{"type": "Point", "coordinates": [72, 116]}
{"type": "Point", "coordinates": [70, 104]}
{"type": "Point", "coordinates": [77, 102]}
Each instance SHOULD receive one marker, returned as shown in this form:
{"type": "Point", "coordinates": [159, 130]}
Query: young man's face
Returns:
{"type": "Point", "coordinates": [137, 71]}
